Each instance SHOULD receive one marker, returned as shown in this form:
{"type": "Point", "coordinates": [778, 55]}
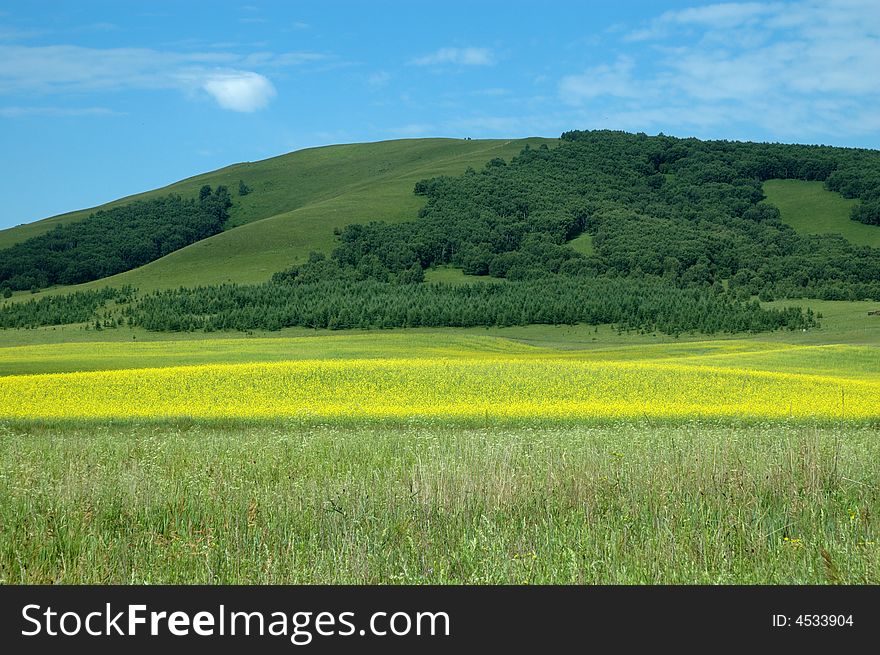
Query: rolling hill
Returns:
{"type": "Point", "coordinates": [598, 205]}
{"type": "Point", "coordinates": [297, 200]}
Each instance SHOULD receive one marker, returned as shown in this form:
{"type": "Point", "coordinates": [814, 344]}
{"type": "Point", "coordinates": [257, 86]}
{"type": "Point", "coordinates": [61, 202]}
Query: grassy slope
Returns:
{"type": "Point", "coordinates": [297, 201]}
{"type": "Point", "coordinates": [583, 244]}
{"type": "Point", "coordinates": [453, 275]}
{"type": "Point", "coordinates": [810, 209]}
{"type": "Point", "coordinates": [281, 183]}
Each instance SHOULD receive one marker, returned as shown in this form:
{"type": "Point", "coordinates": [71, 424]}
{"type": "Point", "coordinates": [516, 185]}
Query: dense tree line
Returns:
{"type": "Point", "coordinates": [62, 309]}
{"type": "Point", "coordinates": [687, 210]}
{"type": "Point", "coordinates": [113, 240]}
{"type": "Point", "coordinates": [646, 304]}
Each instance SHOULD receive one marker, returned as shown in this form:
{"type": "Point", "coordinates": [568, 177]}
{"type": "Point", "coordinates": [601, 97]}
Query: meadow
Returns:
{"type": "Point", "coordinates": [440, 457]}
{"type": "Point", "coordinates": [623, 503]}
{"type": "Point", "coordinates": [810, 209]}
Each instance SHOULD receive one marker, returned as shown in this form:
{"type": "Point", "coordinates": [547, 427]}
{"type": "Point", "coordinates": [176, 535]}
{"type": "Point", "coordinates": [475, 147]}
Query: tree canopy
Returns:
{"type": "Point", "coordinates": [114, 240]}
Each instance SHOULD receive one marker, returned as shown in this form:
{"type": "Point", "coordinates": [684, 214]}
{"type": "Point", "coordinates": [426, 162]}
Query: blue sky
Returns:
{"type": "Point", "coordinates": [104, 99]}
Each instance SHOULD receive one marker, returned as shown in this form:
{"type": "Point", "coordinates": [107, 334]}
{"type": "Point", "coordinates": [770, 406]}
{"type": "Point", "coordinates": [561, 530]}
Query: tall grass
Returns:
{"type": "Point", "coordinates": [626, 502]}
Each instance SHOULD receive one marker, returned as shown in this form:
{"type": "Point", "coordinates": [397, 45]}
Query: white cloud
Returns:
{"type": "Point", "coordinates": [229, 78]}
{"type": "Point", "coordinates": [22, 112]}
{"type": "Point", "coordinates": [12, 34]}
{"type": "Point", "coordinates": [379, 79]}
{"type": "Point", "coordinates": [456, 57]}
{"type": "Point", "coordinates": [795, 69]}
{"type": "Point", "coordinates": [605, 79]}
{"type": "Point", "coordinates": [60, 68]}
{"type": "Point", "coordinates": [722, 16]}
{"type": "Point", "coordinates": [239, 90]}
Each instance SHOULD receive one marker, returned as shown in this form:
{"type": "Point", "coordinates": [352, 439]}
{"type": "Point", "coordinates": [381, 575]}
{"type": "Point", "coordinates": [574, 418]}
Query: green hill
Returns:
{"type": "Point", "coordinates": [296, 201]}
{"type": "Point", "coordinates": [684, 211]}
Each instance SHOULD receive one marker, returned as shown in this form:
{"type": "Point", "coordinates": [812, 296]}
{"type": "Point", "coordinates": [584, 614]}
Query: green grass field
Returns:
{"type": "Point", "coordinates": [583, 244]}
{"type": "Point", "coordinates": [842, 360]}
{"type": "Point", "coordinates": [626, 503]}
{"type": "Point", "coordinates": [810, 209]}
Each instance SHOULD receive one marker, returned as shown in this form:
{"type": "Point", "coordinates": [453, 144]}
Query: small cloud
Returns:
{"type": "Point", "coordinates": [721, 16]}
{"type": "Point", "coordinates": [55, 112]}
{"type": "Point", "coordinates": [456, 57]}
{"type": "Point", "coordinates": [11, 34]}
{"type": "Point", "coordinates": [379, 79]}
{"type": "Point", "coordinates": [299, 25]}
{"type": "Point", "coordinates": [606, 79]}
{"type": "Point", "coordinates": [252, 20]}
{"type": "Point", "coordinates": [229, 78]}
{"type": "Point", "coordinates": [494, 92]}
{"type": "Point", "coordinates": [239, 90]}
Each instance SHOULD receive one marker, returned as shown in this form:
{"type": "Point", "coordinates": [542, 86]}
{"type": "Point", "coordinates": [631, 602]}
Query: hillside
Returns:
{"type": "Point", "coordinates": [811, 209]}
{"type": "Point", "coordinates": [650, 234]}
{"type": "Point", "coordinates": [296, 201]}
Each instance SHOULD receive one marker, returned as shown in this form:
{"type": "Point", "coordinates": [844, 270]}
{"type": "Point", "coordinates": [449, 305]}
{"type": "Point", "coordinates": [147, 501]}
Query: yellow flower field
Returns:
{"type": "Point", "coordinates": [502, 386]}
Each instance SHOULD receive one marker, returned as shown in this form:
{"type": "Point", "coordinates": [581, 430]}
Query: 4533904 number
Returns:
{"type": "Point", "coordinates": [813, 620]}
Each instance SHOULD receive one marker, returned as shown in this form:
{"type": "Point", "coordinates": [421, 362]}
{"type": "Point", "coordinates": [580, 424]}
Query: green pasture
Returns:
{"type": "Point", "coordinates": [632, 503]}
{"type": "Point", "coordinates": [810, 209]}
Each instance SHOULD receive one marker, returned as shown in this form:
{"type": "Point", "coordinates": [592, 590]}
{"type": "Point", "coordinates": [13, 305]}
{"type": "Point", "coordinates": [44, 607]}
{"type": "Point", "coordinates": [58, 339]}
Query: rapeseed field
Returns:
{"type": "Point", "coordinates": [502, 387]}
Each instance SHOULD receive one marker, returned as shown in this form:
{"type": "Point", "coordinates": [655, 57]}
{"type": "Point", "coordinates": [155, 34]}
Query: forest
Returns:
{"type": "Point", "coordinates": [63, 309]}
{"type": "Point", "coordinates": [645, 304]}
{"type": "Point", "coordinates": [686, 210]}
{"type": "Point", "coordinates": [114, 240]}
